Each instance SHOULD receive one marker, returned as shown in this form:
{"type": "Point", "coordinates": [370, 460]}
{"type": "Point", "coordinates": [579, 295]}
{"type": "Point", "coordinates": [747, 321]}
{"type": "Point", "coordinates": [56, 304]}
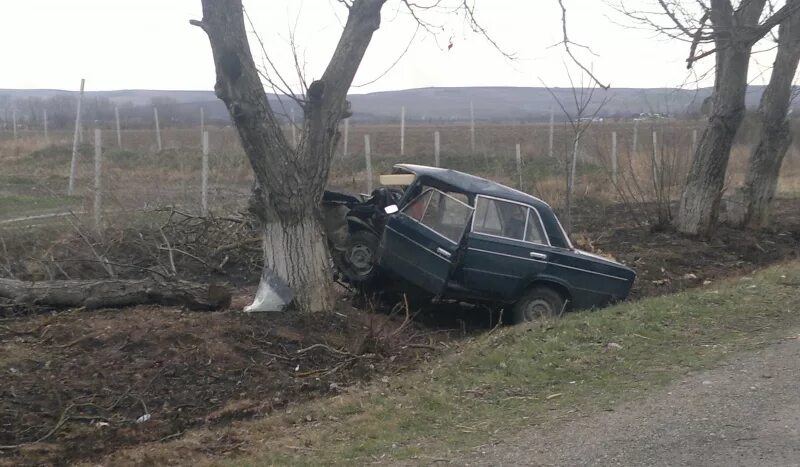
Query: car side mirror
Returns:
{"type": "Point", "coordinates": [391, 209]}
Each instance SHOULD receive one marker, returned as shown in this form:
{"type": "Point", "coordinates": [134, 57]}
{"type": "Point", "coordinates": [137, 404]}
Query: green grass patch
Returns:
{"type": "Point", "coordinates": [531, 374]}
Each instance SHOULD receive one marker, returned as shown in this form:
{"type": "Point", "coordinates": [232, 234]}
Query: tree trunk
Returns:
{"type": "Point", "coordinates": [765, 161]}
{"type": "Point", "coordinates": [698, 211]}
{"type": "Point", "coordinates": [115, 293]}
{"type": "Point", "coordinates": [289, 181]}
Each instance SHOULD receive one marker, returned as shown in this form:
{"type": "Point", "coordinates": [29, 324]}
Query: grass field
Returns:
{"type": "Point", "coordinates": [137, 176]}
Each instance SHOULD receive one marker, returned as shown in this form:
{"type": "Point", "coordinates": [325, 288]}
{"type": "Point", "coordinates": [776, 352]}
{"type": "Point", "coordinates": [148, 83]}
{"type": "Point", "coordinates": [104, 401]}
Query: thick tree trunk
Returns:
{"type": "Point", "coordinates": [765, 162]}
{"type": "Point", "coordinates": [115, 293]}
{"type": "Point", "coordinates": [299, 252]}
{"type": "Point", "coordinates": [698, 211]}
{"type": "Point", "coordinates": [289, 180]}
{"type": "Point", "coordinates": [700, 200]}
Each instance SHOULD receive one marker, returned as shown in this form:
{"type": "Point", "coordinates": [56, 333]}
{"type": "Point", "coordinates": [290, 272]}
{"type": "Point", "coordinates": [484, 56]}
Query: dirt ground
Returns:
{"type": "Point", "coordinates": [667, 262]}
{"type": "Point", "coordinates": [85, 384]}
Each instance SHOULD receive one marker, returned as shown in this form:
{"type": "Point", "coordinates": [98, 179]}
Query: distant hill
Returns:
{"type": "Point", "coordinates": [423, 104]}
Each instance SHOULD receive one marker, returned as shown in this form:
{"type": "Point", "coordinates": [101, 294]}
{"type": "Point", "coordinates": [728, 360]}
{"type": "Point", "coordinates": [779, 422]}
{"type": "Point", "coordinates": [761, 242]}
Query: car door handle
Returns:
{"type": "Point", "coordinates": [443, 252]}
{"type": "Point", "coordinates": [540, 256]}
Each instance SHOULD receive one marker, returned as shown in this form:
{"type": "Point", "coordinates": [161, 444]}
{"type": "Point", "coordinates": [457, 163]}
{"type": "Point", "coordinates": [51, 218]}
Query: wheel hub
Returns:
{"type": "Point", "coordinates": [360, 258]}
{"type": "Point", "coordinates": [538, 308]}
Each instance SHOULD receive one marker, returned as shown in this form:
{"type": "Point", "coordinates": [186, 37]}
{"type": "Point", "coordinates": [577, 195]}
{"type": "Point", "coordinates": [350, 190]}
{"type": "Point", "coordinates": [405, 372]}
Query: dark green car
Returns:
{"type": "Point", "coordinates": [462, 237]}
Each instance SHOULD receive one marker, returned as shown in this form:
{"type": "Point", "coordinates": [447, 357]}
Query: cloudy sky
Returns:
{"type": "Point", "coordinates": [149, 44]}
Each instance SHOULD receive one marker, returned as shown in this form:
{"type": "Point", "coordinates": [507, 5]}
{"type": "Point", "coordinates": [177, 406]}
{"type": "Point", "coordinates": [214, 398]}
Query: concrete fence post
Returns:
{"type": "Point", "coordinates": [158, 129]}
{"type": "Point", "coordinates": [614, 157]}
{"type": "Point", "coordinates": [75, 138]}
{"type": "Point", "coordinates": [368, 158]}
{"type": "Point", "coordinates": [204, 179]}
{"type": "Point", "coordinates": [98, 186]}
{"type": "Point", "coordinates": [436, 142]}
{"type": "Point", "coordinates": [519, 165]}
{"type": "Point", "coordinates": [403, 130]}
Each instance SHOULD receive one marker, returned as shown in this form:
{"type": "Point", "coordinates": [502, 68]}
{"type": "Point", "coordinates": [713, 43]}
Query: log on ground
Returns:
{"type": "Point", "coordinates": [112, 293]}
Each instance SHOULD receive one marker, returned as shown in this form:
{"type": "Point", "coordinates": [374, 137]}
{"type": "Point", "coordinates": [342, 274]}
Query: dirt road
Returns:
{"type": "Point", "coordinates": [745, 412]}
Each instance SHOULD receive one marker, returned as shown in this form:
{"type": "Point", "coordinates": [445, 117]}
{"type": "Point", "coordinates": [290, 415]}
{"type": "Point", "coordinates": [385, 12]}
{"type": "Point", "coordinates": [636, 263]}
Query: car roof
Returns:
{"type": "Point", "coordinates": [471, 184]}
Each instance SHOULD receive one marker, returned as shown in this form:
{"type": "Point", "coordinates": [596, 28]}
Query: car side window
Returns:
{"type": "Point", "coordinates": [416, 208]}
{"type": "Point", "coordinates": [533, 232]}
{"type": "Point", "coordinates": [500, 218]}
{"type": "Point", "coordinates": [509, 220]}
{"type": "Point", "coordinates": [441, 213]}
{"type": "Point", "coordinates": [446, 215]}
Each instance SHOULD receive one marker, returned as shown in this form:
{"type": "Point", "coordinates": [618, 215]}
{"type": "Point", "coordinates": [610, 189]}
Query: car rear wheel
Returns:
{"type": "Point", "coordinates": [360, 256]}
{"type": "Point", "coordinates": [538, 302]}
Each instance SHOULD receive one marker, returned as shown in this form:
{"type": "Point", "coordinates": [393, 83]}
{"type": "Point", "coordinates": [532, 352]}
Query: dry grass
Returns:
{"type": "Point", "coordinates": [140, 177]}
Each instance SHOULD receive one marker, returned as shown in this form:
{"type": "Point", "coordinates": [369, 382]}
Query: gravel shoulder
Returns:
{"type": "Point", "coordinates": [745, 412]}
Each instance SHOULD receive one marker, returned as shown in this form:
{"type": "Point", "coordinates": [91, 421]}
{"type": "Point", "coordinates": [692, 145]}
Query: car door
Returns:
{"type": "Point", "coordinates": [419, 243]}
{"type": "Point", "coordinates": [506, 248]}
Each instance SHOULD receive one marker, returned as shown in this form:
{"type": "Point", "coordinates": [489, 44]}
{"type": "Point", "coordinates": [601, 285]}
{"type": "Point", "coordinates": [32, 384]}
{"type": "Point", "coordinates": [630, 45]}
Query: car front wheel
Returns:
{"type": "Point", "coordinates": [360, 256]}
{"type": "Point", "coordinates": [538, 302]}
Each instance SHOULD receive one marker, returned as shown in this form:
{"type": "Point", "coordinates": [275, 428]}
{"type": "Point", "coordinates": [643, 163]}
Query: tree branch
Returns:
{"type": "Point", "coordinates": [566, 42]}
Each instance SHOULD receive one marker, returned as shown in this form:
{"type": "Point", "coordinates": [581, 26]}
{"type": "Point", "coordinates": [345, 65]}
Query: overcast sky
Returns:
{"type": "Point", "coordinates": [149, 44]}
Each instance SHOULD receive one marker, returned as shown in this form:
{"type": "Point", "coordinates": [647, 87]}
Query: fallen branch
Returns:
{"type": "Point", "coordinates": [61, 421]}
{"type": "Point", "coordinates": [329, 349]}
{"type": "Point", "coordinates": [113, 293]}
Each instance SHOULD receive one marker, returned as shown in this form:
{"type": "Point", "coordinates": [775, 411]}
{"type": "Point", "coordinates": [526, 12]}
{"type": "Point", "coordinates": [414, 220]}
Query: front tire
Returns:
{"type": "Point", "coordinates": [360, 257]}
{"type": "Point", "coordinates": [538, 302]}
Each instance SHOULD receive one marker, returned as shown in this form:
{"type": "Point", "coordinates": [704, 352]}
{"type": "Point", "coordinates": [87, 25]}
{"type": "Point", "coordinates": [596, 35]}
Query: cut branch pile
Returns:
{"type": "Point", "coordinates": [165, 264]}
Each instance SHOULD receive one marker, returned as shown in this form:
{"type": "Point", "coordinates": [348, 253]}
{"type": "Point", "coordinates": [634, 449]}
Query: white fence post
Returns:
{"type": "Point", "coordinates": [98, 195]}
{"type": "Point", "coordinates": [75, 137]}
{"type": "Point", "coordinates": [655, 160]}
{"type": "Point", "coordinates": [14, 120]}
{"type": "Point", "coordinates": [204, 181]}
{"type": "Point", "coordinates": [519, 165]}
{"type": "Point", "coordinates": [552, 128]}
{"type": "Point", "coordinates": [436, 160]}
{"type": "Point", "coordinates": [403, 130]}
{"type": "Point", "coordinates": [158, 129]}
{"type": "Point", "coordinates": [46, 135]}
{"type": "Point", "coordinates": [471, 127]}
{"type": "Point", "coordinates": [368, 157]}
{"type": "Point", "coordinates": [614, 157]}
{"type": "Point", "coordinates": [119, 130]}
{"type": "Point", "coordinates": [346, 136]}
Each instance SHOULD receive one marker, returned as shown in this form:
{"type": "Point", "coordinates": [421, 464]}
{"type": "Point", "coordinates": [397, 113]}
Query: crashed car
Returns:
{"type": "Point", "coordinates": [459, 237]}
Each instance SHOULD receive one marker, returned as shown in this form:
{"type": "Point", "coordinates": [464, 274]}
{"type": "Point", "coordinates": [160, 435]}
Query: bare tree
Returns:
{"type": "Point", "coordinates": [580, 113]}
{"type": "Point", "coordinates": [766, 159]}
{"type": "Point", "coordinates": [728, 33]}
{"type": "Point", "coordinates": [290, 180]}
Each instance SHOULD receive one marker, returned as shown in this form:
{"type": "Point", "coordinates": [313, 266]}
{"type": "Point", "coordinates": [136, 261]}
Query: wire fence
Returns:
{"type": "Point", "coordinates": [646, 160]}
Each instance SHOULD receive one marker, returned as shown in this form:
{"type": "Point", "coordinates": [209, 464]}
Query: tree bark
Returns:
{"type": "Point", "coordinates": [698, 211]}
{"type": "Point", "coordinates": [115, 293]}
{"type": "Point", "coordinates": [289, 180]}
{"type": "Point", "coordinates": [764, 165]}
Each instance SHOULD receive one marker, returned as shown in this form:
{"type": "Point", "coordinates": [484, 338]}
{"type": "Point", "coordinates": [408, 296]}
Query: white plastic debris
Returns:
{"type": "Point", "coordinates": [273, 294]}
{"type": "Point", "coordinates": [143, 418]}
